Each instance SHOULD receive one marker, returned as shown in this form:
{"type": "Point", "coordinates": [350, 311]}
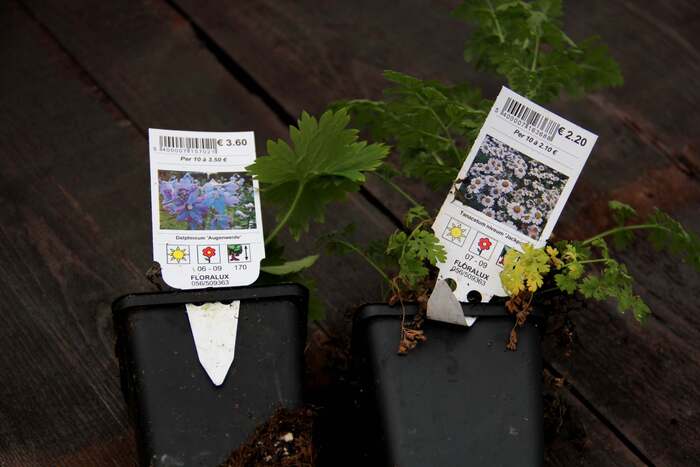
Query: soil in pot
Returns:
{"type": "Point", "coordinates": [285, 440]}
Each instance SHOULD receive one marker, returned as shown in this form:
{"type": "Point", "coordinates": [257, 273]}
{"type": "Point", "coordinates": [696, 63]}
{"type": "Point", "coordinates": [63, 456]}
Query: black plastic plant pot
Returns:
{"type": "Point", "coordinates": [458, 399]}
{"type": "Point", "coordinates": [181, 417]}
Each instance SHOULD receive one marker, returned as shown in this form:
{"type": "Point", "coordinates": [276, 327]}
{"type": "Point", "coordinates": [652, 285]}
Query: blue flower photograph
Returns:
{"type": "Point", "coordinates": [201, 201]}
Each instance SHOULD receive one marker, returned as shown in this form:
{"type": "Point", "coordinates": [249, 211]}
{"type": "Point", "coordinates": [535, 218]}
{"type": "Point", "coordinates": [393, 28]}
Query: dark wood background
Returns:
{"type": "Point", "coordinates": [81, 82]}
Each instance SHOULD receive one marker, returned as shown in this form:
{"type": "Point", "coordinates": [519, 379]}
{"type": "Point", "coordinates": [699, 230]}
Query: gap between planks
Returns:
{"type": "Point", "coordinates": [246, 80]}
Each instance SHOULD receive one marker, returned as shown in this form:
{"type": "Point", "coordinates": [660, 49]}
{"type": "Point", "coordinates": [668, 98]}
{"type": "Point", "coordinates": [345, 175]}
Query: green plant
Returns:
{"type": "Point", "coordinates": [432, 125]}
{"type": "Point", "coordinates": [324, 163]}
{"type": "Point", "coordinates": [587, 266]}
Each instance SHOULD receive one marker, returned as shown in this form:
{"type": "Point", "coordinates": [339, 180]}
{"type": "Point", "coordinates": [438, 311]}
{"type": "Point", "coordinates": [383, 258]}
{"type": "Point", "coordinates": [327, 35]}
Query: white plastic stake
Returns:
{"type": "Point", "coordinates": [214, 327]}
{"type": "Point", "coordinates": [444, 306]}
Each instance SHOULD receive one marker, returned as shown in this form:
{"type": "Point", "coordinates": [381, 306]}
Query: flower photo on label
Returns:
{"type": "Point", "coordinates": [200, 201]}
{"type": "Point", "coordinates": [511, 187]}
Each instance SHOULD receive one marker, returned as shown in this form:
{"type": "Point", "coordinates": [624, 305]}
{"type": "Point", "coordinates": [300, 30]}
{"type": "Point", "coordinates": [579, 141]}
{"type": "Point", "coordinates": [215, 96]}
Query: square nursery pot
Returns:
{"type": "Point", "coordinates": [458, 399]}
{"type": "Point", "coordinates": [181, 417]}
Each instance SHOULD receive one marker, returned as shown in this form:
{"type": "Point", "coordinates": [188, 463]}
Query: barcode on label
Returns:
{"type": "Point", "coordinates": [186, 142]}
{"type": "Point", "coordinates": [544, 126]}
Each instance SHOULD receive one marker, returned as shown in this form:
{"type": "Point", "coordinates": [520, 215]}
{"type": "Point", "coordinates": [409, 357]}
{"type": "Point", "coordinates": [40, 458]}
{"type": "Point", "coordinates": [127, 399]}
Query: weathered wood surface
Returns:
{"type": "Point", "coordinates": [647, 155]}
{"type": "Point", "coordinates": [86, 79]}
{"type": "Point", "coordinates": [76, 215]}
{"type": "Point", "coordinates": [65, 256]}
{"type": "Point", "coordinates": [186, 86]}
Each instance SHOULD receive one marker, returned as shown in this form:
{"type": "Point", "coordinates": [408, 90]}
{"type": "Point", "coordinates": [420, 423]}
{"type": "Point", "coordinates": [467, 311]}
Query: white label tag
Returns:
{"type": "Point", "coordinates": [510, 190]}
{"type": "Point", "coordinates": [205, 208]}
{"type": "Point", "coordinates": [214, 328]}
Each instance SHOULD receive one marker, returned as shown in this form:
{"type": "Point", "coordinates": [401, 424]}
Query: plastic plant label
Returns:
{"type": "Point", "coordinates": [214, 327]}
{"type": "Point", "coordinates": [205, 208]}
{"type": "Point", "coordinates": [511, 190]}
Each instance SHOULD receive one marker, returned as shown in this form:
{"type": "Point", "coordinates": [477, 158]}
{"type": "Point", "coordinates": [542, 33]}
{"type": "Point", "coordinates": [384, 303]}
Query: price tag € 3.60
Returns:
{"type": "Point", "coordinates": [207, 225]}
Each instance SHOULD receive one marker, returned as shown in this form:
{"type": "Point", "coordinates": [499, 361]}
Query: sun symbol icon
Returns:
{"type": "Point", "coordinates": [455, 232]}
{"type": "Point", "coordinates": [178, 254]}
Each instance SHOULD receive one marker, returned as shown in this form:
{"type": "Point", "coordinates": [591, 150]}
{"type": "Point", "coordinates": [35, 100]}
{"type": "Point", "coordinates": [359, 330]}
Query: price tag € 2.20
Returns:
{"type": "Point", "coordinates": [511, 190]}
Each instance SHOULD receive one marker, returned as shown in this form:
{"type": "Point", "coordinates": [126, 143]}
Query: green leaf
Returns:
{"type": "Point", "coordinates": [431, 125]}
{"type": "Point", "coordinates": [671, 236]}
{"type": "Point", "coordinates": [273, 258]}
{"type": "Point", "coordinates": [621, 212]}
{"type": "Point", "coordinates": [290, 267]}
{"type": "Point", "coordinates": [416, 214]}
{"type": "Point", "coordinates": [565, 283]}
{"type": "Point", "coordinates": [413, 253]}
{"type": "Point", "coordinates": [614, 282]}
{"type": "Point", "coordinates": [524, 270]}
{"type": "Point", "coordinates": [323, 164]}
{"type": "Point", "coordinates": [397, 240]}
{"type": "Point", "coordinates": [426, 246]}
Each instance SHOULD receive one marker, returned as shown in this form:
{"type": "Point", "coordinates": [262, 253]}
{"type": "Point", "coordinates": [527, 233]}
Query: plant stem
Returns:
{"type": "Point", "coordinates": [622, 229]}
{"type": "Point", "coordinates": [398, 189]}
{"type": "Point", "coordinates": [533, 67]}
{"type": "Point", "coordinates": [437, 158]}
{"type": "Point", "coordinates": [588, 261]}
{"type": "Point", "coordinates": [501, 38]}
{"type": "Point", "coordinates": [368, 259]}
{"type": "Point", "coordinates": [442, 124]}
{"type": "Point", "coordinates": [286, 217]}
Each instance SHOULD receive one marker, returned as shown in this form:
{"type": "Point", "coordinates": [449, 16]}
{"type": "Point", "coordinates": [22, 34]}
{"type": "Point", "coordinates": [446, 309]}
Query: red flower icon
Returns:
{"type": "Point", "coordinates": [484, 243]}
{"type": "Point", "coordinates": [209, 252]}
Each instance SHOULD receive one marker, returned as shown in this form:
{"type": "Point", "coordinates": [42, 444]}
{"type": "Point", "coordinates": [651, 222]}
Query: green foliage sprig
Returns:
{"type": "Point", "coordinates": [324, 163]}
{"type": "Point", "coordinates": [523, 41]}
{"type": "Point", "coordinates": [432, 125]}
{"type": "Point", "coordinates": [588, 267]}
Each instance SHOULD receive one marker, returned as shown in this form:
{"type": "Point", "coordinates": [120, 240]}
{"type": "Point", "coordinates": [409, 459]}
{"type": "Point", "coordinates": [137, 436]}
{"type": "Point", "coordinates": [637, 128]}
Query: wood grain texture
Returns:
{"type": "Point", "coordinates": [123, 67]}
{"type": "Point", "coordinates": [577, 437]}
{"type": "Point", "coordinates": [645, 378]}
{"type": "Point", "coordinates": [647, 155]}
{"type": "Point", "coordinates": [147, 59]}
{"type": "Point", "coordinates": [307, 55]}
{"type": "Point", "coordinates": [75, 212]}
{"type": "Point", "coordinates": [66, 257]}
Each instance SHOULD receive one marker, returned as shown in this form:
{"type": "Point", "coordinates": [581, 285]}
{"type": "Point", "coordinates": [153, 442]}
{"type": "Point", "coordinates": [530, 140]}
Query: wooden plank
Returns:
{"type": "Point", "coordinates": [61, 265]}
{"type": "Point", "coordinates": [138, 75]}
{"type": "Point", "coordinates": [644, 379]}
{"type": "Point", "coordinates": [658, 51]}
{"type": "Point", "coordinates": [313, 54]}
{"type": "Point", "coordinates": [646, 152]}
{"type": "Point", "coordinates": [75, 217]}
{"type": "Point", "coordinates": [577, 438]}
